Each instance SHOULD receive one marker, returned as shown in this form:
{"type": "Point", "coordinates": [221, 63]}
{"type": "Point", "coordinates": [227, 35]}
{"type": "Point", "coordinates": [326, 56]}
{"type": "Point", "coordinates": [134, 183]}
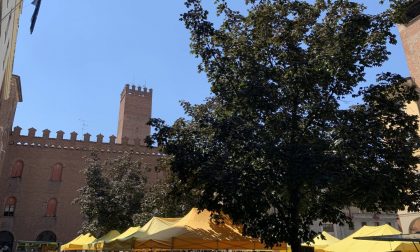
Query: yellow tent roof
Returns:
{"type": "Point", "coordinates": [157, 224]}
{"type": "Point", "coordinates": [320, 243]}
{"type": "Point", "coordinates": [126, 233]}
{"type": "Point", "coordinates": [98, 244]}
{"type": "Point", "coordinates": [78, 242]}
{"type": "Point", "coordinates": [126, 239]}
{"type": "Point", "coordinates": [349, 244]}
{"type": "Point", "coordinates": [197, 231]}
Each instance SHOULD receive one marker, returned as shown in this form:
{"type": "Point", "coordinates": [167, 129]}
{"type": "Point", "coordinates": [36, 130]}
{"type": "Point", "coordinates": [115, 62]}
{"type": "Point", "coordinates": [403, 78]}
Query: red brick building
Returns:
{"type": "Point", "coordinates": [39, 176]}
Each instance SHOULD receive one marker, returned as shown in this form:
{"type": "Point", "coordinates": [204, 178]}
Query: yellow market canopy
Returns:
{"type": "Point", "coordinates": [79, 242]}
{"type": "Point", "coordinates": [349, 244]}
{"type": "Point", "coordinates": [126, 233]}
{"type": "Point", "coordinates": [198, 231]}
{"type": "Point", "coordinates": [98, 244]}
{"type": "Point", "coordinates": [319, 244]}
{"type": "Point", "coordinates": [157, 224]}
{"type": "Point", "coordinates": [125, 240]}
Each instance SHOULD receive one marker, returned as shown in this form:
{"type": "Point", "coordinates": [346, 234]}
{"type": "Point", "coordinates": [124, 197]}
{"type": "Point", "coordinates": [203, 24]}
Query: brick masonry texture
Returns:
{"type": "Point", "coordinates": [410, 36]}
{"type": "Point", "coordinates": [39, 154]}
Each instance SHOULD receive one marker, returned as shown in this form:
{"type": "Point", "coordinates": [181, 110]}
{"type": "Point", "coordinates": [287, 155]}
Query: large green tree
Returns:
{"type": "Point", "coordinates": [273, 147]}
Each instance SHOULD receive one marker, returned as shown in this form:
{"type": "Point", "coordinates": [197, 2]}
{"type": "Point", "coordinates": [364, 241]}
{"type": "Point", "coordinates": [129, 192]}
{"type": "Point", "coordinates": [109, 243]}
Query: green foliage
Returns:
{"type": "Point", "coordinates": [166, 198]}
{"type": "Point", "coordinates": [398, 10]}
{"type": "Point", "coordinates": [116, 195]}
{"type": "Point", "coordinates": [113, 194]}
{"type": "Point", "coordinates": [273, 148]}
{"type": "Point", "coordinates": [94, 197]}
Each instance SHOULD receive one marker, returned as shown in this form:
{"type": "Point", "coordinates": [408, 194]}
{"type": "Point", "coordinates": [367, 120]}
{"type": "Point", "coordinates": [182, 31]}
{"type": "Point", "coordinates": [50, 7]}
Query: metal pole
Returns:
{"type": "Point", "coordinates": [416, 246]}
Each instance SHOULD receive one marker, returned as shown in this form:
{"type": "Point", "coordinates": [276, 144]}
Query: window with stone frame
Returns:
{"type": "Point", "coordinates": [56, 172]}
{"type": "Point", "coordinates": [51, 208]}
{"type": "Point", "coordinates": [17, 169]}
{"type": "Point", "coordinates": [10, 206]}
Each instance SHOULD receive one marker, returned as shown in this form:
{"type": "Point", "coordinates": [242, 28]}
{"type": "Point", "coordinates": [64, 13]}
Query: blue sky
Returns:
{"type": "Point", "coordinates": [82, 53]}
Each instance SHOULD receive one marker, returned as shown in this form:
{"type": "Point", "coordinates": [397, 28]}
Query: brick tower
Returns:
{"type": "Point", "coordinates": [135, 112]}
{"type": "Point", "coordinates": [410, 36]}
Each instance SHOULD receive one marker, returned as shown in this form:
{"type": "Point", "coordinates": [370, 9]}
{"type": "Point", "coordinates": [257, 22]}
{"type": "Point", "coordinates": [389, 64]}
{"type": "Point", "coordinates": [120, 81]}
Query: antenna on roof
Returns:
{"type": "Point", "coordinates": [84, 125]}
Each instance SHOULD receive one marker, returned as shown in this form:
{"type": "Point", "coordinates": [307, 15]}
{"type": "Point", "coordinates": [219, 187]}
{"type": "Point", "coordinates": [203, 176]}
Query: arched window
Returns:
{"type": "Point", "coordinates": [47, 236]}
{"type": "Point", "coordinates": [9, 207]}
{"type": "Point", "coordinates": [51, 207]}
{"type": "Point", "coordinates": [414, 226]}
{"type": "Point", "coordinates": [17, 169]}
{"type": "Point", "coordinates": [6, 241]}
{"type": "Point", "coordinates": [56, 172]}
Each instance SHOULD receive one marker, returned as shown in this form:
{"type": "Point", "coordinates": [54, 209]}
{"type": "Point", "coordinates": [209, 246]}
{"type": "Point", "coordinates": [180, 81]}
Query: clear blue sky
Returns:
{"type": "Point", "coordinates": [82, 52]}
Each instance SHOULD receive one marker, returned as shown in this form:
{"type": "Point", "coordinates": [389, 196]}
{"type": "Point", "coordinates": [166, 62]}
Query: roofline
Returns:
{"type": "Point", "coordinates": [18, 86]}
{"type": "Point", "coordinates": [400, 237]}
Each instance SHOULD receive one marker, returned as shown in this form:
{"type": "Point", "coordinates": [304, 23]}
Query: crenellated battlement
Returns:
{"type": "Point", "coordinates": [136, 90]}
{"type": "Point", "coordinates": [73, 143]}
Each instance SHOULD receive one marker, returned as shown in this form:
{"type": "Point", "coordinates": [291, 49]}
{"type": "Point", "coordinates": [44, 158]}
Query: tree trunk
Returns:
{"type": "Point", "coordinates": [296, 247]}
{"type": "Point", "coordinates": [295, 241]}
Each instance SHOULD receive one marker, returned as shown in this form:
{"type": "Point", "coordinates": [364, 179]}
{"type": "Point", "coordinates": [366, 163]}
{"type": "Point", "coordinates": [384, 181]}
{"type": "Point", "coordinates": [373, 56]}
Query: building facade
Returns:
{"type": "Point", "coordinates": [410, 36]}
{"type": "Point", "coordinates": [10, 11]}
{"type": "Point", "coordinates": [40, 175]}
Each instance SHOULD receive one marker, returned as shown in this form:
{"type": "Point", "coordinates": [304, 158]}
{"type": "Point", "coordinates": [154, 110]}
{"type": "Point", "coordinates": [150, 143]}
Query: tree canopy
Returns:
{"type": "Point", "coordinates": [113, 194]}
{"type": "Point", "coordinates": [117, 196]}
{"type": "Point", "coordinates": [274, 148]}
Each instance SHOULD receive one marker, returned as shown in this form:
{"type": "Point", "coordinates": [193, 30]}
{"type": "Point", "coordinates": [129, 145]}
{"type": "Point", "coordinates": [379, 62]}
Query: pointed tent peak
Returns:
{"type": "Point", "coordinates": [157, 224]}
{"type": "Point", "coordinates": [126, 233]}
{"type": "Point", "coordinates": [109, 236]}
{"type": "Point", "coordinates": [78, 242]}
{"type": "Point", "coordinates": [328, 236]}
{"type": "Point", "coordinates": [98, 244]}
{"type": "Point", "coordinates": [84, 238]}
{"type": "Point", "coordinates": [319, 242]}
{"type": "Point", "coordinates": [202, 218]}
{"type": "Point", "coordinates": [375, 230]}
{"type": "Point", "coordinates": [154, 225]}
{"type": "Point", "coordinates": [351, 244]}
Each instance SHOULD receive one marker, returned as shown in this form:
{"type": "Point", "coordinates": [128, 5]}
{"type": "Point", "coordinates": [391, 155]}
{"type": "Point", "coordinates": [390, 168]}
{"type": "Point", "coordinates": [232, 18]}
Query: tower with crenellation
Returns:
{"type": "Point", "coordinates": [135, 112]}
{"type": "Point", "coordinates": [41, 171]}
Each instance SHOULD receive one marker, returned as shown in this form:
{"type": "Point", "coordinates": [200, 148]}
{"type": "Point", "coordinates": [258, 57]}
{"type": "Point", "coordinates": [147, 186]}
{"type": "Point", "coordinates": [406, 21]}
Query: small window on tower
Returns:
{"type": "Point", "coordinates": [9, 207]}
{"type": "Point", "coordinates": [17, 169]}
{"type": "Point", "coordinates": [56, 172]}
